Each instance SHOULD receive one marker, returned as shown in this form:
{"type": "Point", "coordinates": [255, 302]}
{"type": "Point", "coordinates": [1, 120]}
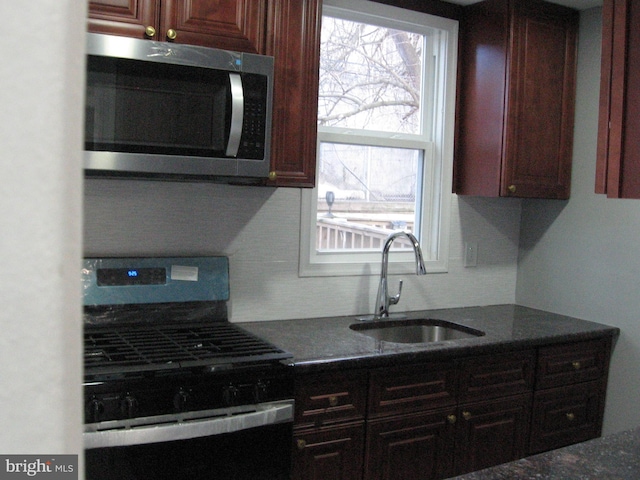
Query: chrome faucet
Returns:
{"type": "Point", "coordinates": [383, 299]}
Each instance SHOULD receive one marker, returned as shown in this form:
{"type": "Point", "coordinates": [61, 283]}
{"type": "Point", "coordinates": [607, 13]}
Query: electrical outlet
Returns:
{"type": "Point", "coordinates": [471, 254]}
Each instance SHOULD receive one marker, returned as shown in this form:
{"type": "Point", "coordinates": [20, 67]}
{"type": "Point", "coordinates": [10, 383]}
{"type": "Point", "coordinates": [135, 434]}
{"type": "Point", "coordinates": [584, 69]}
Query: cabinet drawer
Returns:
{"type": "Point", "coordinates": [329, 398]}
{"type": "Point", "coordinates": [573, 363]}
{"type": "Point", "coordinates": [329, 453]}
{"type": "Point", "coordinates": [563, 416]}
{"type": "Point", "coordinates": [493, 376]}
{"type": "Point", "coordinates": [412, 388]}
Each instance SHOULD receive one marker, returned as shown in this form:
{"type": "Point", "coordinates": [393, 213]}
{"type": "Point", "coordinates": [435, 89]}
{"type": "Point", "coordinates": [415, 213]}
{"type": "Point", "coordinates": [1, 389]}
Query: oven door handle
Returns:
{"type": "Point", "coordinates": [191, 425]}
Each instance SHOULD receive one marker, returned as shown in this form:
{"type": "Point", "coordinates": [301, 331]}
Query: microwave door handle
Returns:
{"type": "Point", "coordinates": [237, 114]}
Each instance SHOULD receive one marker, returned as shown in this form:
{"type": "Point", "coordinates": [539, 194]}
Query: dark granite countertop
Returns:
{"type": "Point", "coordinates": [328, 343]}
{"type": "Point", "coordinates": [612, 457]}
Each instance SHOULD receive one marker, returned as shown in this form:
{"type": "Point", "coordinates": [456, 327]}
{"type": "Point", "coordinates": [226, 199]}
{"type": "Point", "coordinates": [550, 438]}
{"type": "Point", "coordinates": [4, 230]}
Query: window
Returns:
{"type": "Point", "coordinates": [385, 139]}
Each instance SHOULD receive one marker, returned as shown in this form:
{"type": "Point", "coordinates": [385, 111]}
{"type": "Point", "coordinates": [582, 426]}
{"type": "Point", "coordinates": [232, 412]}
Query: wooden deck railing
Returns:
{"type": "Point", "coordinates": [338, 234]}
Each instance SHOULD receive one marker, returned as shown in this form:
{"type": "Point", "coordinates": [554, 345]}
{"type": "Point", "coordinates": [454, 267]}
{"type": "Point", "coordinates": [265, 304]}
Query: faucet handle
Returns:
{"type": "Point", "coordinates": [394, 300]}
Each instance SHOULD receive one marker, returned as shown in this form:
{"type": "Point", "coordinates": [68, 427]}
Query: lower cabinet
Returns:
{"type": "Point", "coordinates": [491, 433]}
{"type": "Point", "coordinates": [411, 447]}
{"type": "Point", "coordinates": [448, 442]}
{"type": "Point", "coordinates": [569, 398]}
{"type": "Point", "coordinates": [440, 419]}
{"type": "Point", "coordinates": [329, 453]}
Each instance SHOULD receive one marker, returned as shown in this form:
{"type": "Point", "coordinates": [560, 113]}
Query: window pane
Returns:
{"type": "Point", "coordinates": [370, 77]}
{"type": "Point", "coordinates": [364, 194]}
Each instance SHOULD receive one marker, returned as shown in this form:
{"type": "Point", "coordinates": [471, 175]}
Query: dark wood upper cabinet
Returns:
{"type": "Point", "coordinates": [618, 157]}
{"type": "Point", "coordinates": [238, 25]}
{"type": "Point", "coordinates": [516, 99]}
{"type": "Point", "coordinates": [294, 42]}
{"type": "Point", "coordinates": [130, 18]}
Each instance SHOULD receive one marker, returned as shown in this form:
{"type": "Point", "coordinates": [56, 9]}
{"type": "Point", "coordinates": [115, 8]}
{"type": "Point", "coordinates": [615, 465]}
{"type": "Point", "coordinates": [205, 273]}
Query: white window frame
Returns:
{"type": "Point", "coordinates": [437, 169]}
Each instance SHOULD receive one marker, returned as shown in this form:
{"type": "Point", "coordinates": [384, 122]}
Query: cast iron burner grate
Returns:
{"type": "Point", "coordinates": [143, 347]}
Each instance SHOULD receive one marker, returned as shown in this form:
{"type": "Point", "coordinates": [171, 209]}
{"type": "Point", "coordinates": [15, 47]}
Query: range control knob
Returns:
{"type": "Point", "coordinates": [230, 395]}
{"type": "Point", "coordinates": [181, 400]}
{"type": "Point", "coordinates": [129, 406]}
{"type": "Point", "coordinates": [260, 391]}
{"type": "Point", "coordinates": [95, 409]}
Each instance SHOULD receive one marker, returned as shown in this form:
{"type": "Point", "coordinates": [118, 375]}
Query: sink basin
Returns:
{"type": "Point", "coordinates": [424, 330]}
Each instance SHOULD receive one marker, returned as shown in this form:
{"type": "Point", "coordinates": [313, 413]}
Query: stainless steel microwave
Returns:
{"type": "Point", "coordinates": [165, 110]}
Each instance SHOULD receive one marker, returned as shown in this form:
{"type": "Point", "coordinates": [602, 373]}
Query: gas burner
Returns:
{"type": "Point", "coordinates": [144, 347]}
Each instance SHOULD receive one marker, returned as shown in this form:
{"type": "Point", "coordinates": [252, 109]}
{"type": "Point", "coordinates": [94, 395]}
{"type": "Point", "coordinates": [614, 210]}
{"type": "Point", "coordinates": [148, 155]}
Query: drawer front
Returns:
{"type": "Point", "coordinates": [573, 363]}
{"type": "Point", "coordinates": [328, 453]}
{"type": "Point", "coordinates": [331, 397]}
{"type": "Point", "coordinates": [493, 376]}
{"type": "Point", "coordinates": [567, 415]}
{"type": "Point", "coordinates": [412, 388]}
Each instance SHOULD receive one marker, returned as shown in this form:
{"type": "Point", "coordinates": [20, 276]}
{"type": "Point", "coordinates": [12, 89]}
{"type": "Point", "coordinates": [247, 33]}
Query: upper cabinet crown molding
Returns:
{"type": "Point", "coordinates": [618, 154]}
{"type": "Point", "coordinates": [516, 99]}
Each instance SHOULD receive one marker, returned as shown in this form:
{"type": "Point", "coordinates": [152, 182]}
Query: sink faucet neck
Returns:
{"type": "Point", "coordinates": [383, 299]}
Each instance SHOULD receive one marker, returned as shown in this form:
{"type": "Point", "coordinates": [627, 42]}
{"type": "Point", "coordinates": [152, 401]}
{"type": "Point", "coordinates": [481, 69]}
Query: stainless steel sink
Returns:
{"type": "Point", "coordinates": [424, 330]}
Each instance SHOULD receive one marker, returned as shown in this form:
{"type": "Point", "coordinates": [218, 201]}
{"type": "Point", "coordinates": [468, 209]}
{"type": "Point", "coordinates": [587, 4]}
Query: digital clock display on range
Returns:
{"type": "Point", "coordinates": [115, 277]}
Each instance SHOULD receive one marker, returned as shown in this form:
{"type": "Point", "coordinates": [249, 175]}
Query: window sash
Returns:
{"type": "Point", "coordinates": [436, 143]}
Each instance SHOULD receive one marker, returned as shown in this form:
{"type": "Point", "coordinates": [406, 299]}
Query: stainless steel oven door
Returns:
{"type": "Point", "coordinates": [243, 443]}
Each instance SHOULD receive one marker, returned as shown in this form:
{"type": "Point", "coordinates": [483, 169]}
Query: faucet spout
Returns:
{"type": "Point", "coordinates": [383, 299]}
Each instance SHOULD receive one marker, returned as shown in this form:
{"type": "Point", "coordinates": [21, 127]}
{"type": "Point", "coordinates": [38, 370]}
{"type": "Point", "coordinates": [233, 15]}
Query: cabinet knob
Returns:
{"type": "Point", "coordinates": [451, 419]}
{"type": "Point", "coordinates": [150, 31]}
{"type": "Point", "coordinates": [576, 365]}
{"type": "Point", "coordinates": [511, 188]}
{"type": "Point", "coordinates": [273, 176]}
{"type": "Point", "coordinates": [466, 415]}
{"type": "Point", "coordinates": [301, 444]}
{"type": "Point", "coordinates": [172, 34]}
{"type": "Point", "coordinates": [333, 400]}
{"type": "Point", "coordinates": [571, 417]}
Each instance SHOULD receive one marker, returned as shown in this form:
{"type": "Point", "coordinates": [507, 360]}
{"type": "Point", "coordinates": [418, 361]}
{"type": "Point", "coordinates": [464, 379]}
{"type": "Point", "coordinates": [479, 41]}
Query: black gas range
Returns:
{"type": "Point", "coordinates": [164, 367]}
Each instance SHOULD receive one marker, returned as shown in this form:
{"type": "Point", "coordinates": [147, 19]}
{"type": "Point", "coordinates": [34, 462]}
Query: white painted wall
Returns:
{"type": "Point", "coordinates": [42, 73]}
{"type": "Point", "coordinates": [582, 257]}
{"type": "Point", "coordinates": [259, 229]}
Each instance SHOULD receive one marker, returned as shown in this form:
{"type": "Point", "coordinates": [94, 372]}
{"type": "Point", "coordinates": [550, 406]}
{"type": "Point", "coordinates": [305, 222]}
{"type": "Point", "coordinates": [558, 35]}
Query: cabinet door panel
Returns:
{"type": "Point", "coordinates": [329, 454]}
{"type": "Point", "coordinates": [542, 92]}
{"type": "Point", "coordinates": [294, 41]}
{"type": "Point", "coordinates": [491, 433]}
{"type": "Point", "coordinates": [123, 17]}
{"type": "Point", "coordinates": [410, 447]}
{"type": "Point", "coordinates": [229, 24]}
{"type": "Point", "coordinates": [618, 163]}
{"type": "Point", "coordinates": [563, 416]}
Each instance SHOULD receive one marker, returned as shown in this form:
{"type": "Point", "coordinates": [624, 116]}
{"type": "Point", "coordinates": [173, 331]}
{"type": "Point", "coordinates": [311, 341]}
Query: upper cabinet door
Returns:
{"type": "Point", "coordinates": [294, 41]}
{"type": "Point", "coordinates": [542, 97]}
{"type": "Point", "coordinates": [130, 18]}
{"type": "Point", "coordinates": [238, 25]}
{"type": "Point", "coordinates": [516, 100]}
{"type": "Point", "coordinates": [618, 160]}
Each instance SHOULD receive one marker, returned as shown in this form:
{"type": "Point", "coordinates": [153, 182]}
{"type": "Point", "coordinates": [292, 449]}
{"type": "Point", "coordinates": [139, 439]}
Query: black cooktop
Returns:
{"type": "Point", "coordinates": [112, 349]}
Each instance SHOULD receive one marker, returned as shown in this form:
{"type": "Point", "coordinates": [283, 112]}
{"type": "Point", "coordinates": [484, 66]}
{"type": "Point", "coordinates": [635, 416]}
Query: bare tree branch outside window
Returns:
{"type": "Point", "coordinates": [370, 80]}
